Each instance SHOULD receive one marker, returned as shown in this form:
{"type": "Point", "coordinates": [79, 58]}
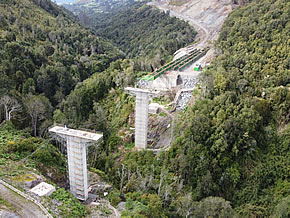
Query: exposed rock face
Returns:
{"type": "Point", "coordinates": [183, 99]}
{"type": "Point", "coordinates": [157, 125]}
{"type": "Point", "coordinates": [36, 179]}
{"type": "Point", "coordinates": [97, 186]}
{"type": "Point", "coordinates": [100, 188]}
{"type": "Point", "coordinates": [190, 82]}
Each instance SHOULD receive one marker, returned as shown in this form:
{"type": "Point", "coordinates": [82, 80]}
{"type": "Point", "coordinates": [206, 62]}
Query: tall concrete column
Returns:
{"type": "Point", "coordinates": [77, 142]}
{"type": "Point", "coordinates": [141, 116]}
{"type": "Point", "coordinates": [77, 167]}
{"type": "Point", "coordinates": [141, 119]}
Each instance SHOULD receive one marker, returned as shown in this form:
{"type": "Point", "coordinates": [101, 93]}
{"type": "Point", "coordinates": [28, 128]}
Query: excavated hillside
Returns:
{"type": "Point", "coordinates": [207, 17]}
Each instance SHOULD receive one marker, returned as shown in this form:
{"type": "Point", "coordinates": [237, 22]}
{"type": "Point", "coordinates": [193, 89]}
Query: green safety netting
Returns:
{"type": "Point", "coordinates": [178, 64]}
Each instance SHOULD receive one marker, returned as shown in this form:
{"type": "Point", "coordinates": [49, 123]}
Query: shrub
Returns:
{"type": "Point", "coordinates": [114, 198]}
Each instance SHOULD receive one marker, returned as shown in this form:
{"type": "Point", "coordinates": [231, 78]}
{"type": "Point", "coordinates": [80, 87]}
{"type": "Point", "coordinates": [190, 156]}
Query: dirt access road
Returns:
{"type": "Point", "coordinates": [23, 207]}
{"type": "Point", "coordinates": [206, 16]}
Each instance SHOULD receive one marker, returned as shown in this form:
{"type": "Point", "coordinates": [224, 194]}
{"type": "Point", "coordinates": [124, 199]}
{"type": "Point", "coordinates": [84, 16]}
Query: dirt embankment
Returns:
{"type": "Point", "coordinates": [207, 17]}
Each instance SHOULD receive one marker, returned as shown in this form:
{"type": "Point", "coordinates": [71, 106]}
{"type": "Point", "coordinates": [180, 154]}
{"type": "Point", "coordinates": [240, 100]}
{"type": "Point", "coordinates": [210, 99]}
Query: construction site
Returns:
{"type": "Point", "coordinates": [169, 89]}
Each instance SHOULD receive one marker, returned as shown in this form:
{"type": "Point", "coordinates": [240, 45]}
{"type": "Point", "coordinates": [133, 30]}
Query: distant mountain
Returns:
{"type": "Point", "coordinates": [91, 7]}
{"type": "Point", "coordinates": [83, 1]}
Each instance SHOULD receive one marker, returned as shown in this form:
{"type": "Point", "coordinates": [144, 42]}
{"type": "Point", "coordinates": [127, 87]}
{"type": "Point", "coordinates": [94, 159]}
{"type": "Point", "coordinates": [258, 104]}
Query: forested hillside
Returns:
{"type": "Point", "coordinates": [231, 155]}
{"type": "Point", "coordinates": [44, 50]}
{"type": "Point", "coordinates": [87, 8]}
{"type": "Point", "coordinates": [142, 32]}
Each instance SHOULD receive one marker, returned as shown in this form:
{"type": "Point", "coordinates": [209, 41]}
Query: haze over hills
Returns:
{"type": "Point", "coordinates": [64, 1]}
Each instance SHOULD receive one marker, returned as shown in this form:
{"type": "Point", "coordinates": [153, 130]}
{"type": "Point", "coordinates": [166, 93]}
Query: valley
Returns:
{"type": "Point", "coordinates": [187, 101]}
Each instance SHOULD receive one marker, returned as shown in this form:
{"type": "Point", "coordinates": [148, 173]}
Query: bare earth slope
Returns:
{"type": "Point", "coordinates": [207, 17]}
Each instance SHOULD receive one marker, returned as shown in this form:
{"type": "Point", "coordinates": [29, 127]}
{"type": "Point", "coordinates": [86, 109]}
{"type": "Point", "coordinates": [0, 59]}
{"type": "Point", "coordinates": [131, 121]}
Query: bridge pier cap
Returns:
{"type": "Point", "coordinates": [134, 91]}
{"type": "Point", "coordinates": [77, 142]}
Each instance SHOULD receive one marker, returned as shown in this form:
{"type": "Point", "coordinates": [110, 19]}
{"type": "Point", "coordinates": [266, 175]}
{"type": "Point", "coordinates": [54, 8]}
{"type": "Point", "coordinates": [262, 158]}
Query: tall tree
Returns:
{"type": "Point", "coordinates": [10, 106]}
{"type": "Point", "coordinates": [39, 108]}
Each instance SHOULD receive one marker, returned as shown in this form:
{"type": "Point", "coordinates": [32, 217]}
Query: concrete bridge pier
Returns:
{"type": "Point", "coordinates": [77, 142]}
{"type": "Point", "coordinates": [141, 116]}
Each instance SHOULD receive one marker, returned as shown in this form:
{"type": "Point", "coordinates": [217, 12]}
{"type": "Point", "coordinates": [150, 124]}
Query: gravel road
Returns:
{"type": "Point", "coordinates": [24, 208]}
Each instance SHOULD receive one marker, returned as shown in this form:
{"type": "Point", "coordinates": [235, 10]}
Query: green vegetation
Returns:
{"type": "Point", "coordinates": [46, 51]}
{"type": "Point", "coordinates": [233, 144]}
{"type": "Point", "coordinates": [18, 145]}
{"type": "Point", "coordinates": [43, 55]}
{"type": "Point", "coordinates": [86, 9]}
{"type": "Point", "coordinates": [99, 99]}
{"type": "Point", "coordinates": [46, 158]}
{"type": "Point", "coordinates": [231, 153]}
{"type": "Point", "coordinates": [70, 206]}
{"type": "Point", "coordinates": [147, 205]}
{"type": "Point", "coordinates": [143, 33]}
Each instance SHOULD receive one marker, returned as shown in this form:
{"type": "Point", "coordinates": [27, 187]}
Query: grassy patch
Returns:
{"type": "Point", "coordinates": [161, 100]}
{"type": "Point", "coordinates": [130, 145]}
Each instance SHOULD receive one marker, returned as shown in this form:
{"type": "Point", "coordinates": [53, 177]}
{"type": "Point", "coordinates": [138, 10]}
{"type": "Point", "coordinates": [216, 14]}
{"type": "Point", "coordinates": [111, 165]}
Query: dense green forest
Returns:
{"type": "Point", "coordinates": [44, 50]}
{"type": "Point", "coordinates": [231, 153]}
{"type": "Point", "coordinates": [142, 32]}
{"type": "Point", "coordinates": [44, 53]}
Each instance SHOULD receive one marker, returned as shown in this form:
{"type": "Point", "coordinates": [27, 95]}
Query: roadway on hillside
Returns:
{"type": "Point", "coordinates": [23, 207]}
{"type": "Point", "coordinates": [206, 16]}
{"type": "Point", "coordinates": [203, 32]}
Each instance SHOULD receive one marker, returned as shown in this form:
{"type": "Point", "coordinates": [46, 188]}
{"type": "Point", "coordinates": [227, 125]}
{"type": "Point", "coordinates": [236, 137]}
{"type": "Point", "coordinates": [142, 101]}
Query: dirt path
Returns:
{"type": "Point", "coordinates": [117, 213]}
{"type": "Point", "coordinates": [203, 32]}
{"type": "Point", "coordinates": [24, 208]}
